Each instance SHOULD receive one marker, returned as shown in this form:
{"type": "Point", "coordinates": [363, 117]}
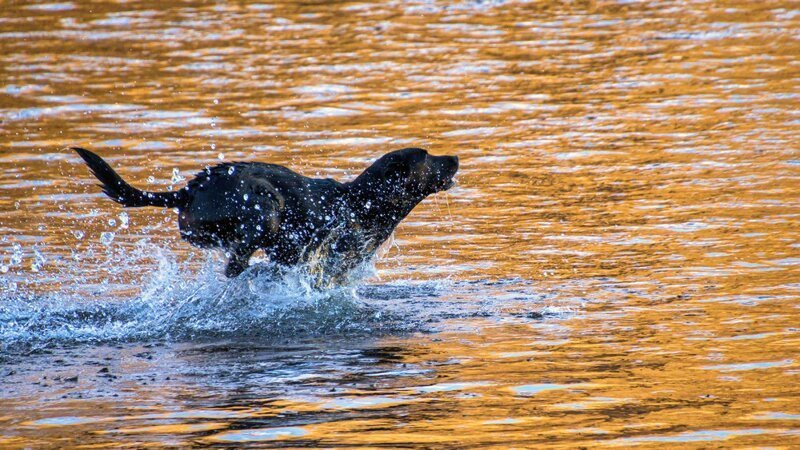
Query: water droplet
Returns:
{"type": "Point", "coordinates": [112, 222]}
{"type": "Point", "coordinates": [245, 196]}
{"type": "Point", "coordinates": [78, 234]}
{"type": "Point", "coordinates": [220, 156]}
{"type": "Point", "coordinates": [106, 237]}
{"type": "Point", "coordinates": [123, 219]}
{"type": "Point", "coordinates": [151, 179]}
{"type": "Point", "coordinates": [230, 170]}
{"type": "Point", "coordinates": [176, 176]}
{"type": "Point", "coordinates": [16, 257]}
{"type": "Point", "coordinates": [4, 268]}
{"type": "Point", "coordinates": [38, 261]}
{"type": "Point", "coordinates": [216, 101]}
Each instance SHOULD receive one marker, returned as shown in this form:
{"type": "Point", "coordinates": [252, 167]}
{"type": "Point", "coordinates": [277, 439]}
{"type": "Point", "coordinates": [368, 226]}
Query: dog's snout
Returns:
{"type": "Point", "coordinates": [450, 163]}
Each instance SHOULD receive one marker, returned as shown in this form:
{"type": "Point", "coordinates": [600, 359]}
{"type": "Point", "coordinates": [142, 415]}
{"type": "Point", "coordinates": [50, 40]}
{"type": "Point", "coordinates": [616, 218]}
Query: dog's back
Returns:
{"type": "Point", "coordinates": [250, 203]}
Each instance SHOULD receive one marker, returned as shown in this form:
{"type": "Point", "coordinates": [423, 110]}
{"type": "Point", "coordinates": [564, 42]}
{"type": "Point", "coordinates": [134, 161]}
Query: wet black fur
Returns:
{"type": "Point", "coordinates": [242, 207]}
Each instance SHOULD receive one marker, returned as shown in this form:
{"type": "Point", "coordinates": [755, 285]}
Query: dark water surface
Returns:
{"type": "Point", "coordinates": [618, 266]}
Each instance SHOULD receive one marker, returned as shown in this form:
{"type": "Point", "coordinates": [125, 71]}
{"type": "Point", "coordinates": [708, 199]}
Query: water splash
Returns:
{"type": "Point", "coordinates": [178, 301]}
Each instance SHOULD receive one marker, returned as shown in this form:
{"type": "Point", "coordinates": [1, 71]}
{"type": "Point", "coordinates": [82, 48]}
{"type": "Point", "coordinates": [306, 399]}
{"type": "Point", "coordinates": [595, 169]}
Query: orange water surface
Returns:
{"type": "Point", "coordinates": [618, 266]}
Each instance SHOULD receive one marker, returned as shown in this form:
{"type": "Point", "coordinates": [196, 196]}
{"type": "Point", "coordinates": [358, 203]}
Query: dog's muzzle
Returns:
{"type": "Point", "coordinates": [445, 168]}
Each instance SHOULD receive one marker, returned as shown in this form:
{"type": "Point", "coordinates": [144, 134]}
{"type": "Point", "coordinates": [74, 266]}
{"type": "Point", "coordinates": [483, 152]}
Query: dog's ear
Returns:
{"type": "Point", "coordinates": [405, 163]}
{"type": "Point", "coordinates": [395, 167]}
{"type": "Point", "coordinates": [417, 157]}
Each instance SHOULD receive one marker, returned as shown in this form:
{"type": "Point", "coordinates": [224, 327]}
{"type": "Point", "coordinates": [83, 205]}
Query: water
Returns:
{"type": "Point", "coordinates": [618, 265]}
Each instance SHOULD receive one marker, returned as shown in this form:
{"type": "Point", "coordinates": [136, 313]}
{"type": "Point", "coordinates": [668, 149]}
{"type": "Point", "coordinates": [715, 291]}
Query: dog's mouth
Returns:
{"type": "Point", "coordinates": [449, 184]}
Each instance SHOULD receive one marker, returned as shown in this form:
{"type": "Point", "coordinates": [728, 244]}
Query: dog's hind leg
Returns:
{"type": "Point", "coordinates": [238, 260]}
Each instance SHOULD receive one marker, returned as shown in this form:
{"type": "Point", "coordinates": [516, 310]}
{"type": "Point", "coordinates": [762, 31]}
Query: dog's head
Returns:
{"type": "Point", "coordinates": [394, 184]}
{"type": "Point", "coordinates": [412, 172]}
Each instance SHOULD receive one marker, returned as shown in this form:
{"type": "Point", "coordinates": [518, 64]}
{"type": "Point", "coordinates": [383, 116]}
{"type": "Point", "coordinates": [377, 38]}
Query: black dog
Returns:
{"type": "Point", "coordinates": [330, 226]}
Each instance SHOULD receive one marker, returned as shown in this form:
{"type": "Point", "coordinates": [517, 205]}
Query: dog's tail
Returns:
{"type": "Point", "coordinates": [123, 193]}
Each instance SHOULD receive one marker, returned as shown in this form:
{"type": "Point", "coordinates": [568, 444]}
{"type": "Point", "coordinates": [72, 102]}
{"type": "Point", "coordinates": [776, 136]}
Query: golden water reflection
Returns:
{"type": "Point", "coordinates": [633, 167]}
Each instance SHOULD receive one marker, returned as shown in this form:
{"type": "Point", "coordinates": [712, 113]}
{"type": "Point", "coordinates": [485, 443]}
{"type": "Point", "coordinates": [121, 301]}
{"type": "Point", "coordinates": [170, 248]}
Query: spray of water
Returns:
{"type": "Point", "coordinates": [177, 301]}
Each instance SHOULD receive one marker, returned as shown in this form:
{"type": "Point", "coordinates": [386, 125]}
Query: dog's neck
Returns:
{"type": "Point", "coordinates": [376, 207]}
{"type": "Point", "coordinates": [364, 217]}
